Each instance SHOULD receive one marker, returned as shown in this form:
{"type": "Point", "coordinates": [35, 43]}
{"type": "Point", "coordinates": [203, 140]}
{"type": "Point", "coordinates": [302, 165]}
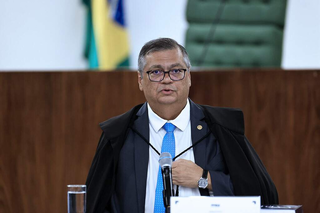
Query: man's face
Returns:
{"type": "Point", "coordinates": [166, 92]}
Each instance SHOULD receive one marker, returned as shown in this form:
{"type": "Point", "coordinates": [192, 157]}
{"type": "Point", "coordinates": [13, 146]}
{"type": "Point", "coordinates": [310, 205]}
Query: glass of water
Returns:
{"type": "Point", "coordinates": [77, 198]}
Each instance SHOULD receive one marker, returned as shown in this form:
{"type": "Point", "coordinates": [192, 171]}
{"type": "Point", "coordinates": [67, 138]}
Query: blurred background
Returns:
{"type": "Point", "coordinates": [51, 35]}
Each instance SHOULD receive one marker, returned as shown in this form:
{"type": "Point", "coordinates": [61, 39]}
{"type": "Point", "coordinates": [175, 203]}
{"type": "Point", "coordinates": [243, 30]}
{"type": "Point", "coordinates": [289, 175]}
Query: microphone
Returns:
{"type": "Point", "coordinates": [165, 162]}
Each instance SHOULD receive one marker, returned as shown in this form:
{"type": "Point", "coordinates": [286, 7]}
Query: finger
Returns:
{"type": "Point", "coordinates": [174, 164]}
{"type": "Point", "coordinates": [177, 163]}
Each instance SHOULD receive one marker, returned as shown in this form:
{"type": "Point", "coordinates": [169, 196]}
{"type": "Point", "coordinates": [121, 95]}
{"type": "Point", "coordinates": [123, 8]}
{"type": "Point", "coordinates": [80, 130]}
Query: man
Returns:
{"type": "Point", "coordinates": [212, 154]}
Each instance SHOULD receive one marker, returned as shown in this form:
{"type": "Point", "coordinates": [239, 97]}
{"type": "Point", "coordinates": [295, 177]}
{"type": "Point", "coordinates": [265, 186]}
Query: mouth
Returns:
{"type": "Point", "coordinates": [167, 91]}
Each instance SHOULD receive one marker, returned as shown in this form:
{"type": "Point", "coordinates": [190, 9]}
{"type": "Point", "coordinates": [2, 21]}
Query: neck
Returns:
{"type": "Point", "coordinates": [168, 112]}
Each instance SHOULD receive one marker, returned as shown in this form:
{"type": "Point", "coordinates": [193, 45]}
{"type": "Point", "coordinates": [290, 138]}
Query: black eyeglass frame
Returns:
{"type": "Point", "coordinates": [164, 74]}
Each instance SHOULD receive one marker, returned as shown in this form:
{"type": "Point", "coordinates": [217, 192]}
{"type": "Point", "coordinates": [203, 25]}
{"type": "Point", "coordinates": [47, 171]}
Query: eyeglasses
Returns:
{"type": "Point", "coordinates": [174, 74]}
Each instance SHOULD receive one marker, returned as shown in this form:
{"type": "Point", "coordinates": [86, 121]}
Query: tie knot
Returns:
{"type": "Point", "coordinates": [169, 127]}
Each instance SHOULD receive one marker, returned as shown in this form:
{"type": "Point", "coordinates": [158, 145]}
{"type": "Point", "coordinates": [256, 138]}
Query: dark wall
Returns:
{"type": "Point", "coordinates": [49, 128]}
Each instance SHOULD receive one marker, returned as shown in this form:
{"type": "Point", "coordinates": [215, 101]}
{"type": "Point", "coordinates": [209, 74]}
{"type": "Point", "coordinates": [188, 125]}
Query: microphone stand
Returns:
{"type": "Point", "coordinates": [167, 190]}
{"type": "Point", "coordinates": [165, 162]}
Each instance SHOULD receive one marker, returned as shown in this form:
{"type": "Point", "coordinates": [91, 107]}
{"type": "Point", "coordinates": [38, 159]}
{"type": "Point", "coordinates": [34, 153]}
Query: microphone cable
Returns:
{"type": "Point", "coordinates": [211, 33]}
{"type": "Point", "coordinates": [149, 144]}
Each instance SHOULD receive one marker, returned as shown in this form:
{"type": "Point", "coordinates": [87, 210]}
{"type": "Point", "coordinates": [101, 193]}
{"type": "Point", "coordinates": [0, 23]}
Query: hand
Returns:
{"type": "Point", "coordinates": [186, 173]}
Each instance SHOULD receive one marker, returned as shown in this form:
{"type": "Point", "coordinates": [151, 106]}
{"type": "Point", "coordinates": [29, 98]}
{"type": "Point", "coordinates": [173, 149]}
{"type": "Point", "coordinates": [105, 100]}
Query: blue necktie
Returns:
{"type": "Point", "coordinates": [168, 145]}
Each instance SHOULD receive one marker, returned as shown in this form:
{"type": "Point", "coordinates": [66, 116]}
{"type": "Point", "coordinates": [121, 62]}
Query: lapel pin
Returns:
{"type": "Point", "coordinates": [199, 127]}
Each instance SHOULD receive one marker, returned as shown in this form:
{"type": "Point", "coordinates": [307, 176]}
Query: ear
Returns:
{"type": "Point", "coordinates": [189, 78]}
{"type": "Point", "coordinates": [139, 81]}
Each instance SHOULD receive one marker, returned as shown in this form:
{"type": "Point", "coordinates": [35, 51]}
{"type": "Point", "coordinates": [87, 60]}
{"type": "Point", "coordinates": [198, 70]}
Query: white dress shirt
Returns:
{"type": "Point", "coordinates": [182, 134]}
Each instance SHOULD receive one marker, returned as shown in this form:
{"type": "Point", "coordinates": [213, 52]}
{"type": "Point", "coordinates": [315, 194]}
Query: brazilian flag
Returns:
{"type": "Point", "coordinates": [107, 46]}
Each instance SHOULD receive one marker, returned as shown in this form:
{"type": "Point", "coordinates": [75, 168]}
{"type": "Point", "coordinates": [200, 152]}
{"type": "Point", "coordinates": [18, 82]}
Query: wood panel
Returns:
{"type": "Point", "coordinates": [49, 132]}
{"type": "Point", "coordinates": [49, 128]}
{"type": "Point", "coordinates": [282, 117]}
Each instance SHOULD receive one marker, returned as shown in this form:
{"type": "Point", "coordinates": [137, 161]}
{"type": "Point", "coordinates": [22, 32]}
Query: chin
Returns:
{"type": "Point", "coordinates": [167, 100]}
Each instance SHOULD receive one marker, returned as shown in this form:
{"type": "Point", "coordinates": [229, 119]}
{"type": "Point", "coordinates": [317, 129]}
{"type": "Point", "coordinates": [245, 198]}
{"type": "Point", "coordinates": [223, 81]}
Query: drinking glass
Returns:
{"type": "Point", "coordinates": [77, 198]}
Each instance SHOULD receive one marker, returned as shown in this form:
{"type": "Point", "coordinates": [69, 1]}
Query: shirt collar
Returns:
{"type": "Point", "coordinates": [181, 121]}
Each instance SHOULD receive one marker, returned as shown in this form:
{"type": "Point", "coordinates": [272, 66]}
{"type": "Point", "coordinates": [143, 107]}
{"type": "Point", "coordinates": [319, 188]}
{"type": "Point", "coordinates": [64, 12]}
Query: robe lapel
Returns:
{"type": "Point", "coordinates": [199, 129]}
{"type": "Point", "coordinates": [141, 155]}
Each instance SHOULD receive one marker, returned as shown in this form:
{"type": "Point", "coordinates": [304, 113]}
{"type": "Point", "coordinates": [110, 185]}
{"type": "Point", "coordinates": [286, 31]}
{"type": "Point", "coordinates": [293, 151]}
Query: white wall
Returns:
{"type": "Point", "coordinates": [42, 35]}
{"type": "Point", "coordinates": [153, 19]}
{"type": "Point", "coordinates": [50, 34]}
{"type": "Point", "coordinates": [302, 35]}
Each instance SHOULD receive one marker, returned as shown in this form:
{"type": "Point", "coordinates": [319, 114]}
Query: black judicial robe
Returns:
{"type": "Point", "coordinates": [248, 174]}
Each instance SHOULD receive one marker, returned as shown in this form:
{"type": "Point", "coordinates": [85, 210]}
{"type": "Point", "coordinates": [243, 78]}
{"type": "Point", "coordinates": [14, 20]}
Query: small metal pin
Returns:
{"type": "Point", "coordinates": [199, 127]}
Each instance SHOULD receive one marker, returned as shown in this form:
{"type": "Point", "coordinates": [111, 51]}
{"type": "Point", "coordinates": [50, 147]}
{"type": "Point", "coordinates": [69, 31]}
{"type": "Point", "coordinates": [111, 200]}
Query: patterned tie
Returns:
{"type": "Point", "coordinates": [168, 145]}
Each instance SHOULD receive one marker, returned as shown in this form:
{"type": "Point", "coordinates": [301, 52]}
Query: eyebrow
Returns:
{"type": "Point", "coordinates": [158, 66]}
